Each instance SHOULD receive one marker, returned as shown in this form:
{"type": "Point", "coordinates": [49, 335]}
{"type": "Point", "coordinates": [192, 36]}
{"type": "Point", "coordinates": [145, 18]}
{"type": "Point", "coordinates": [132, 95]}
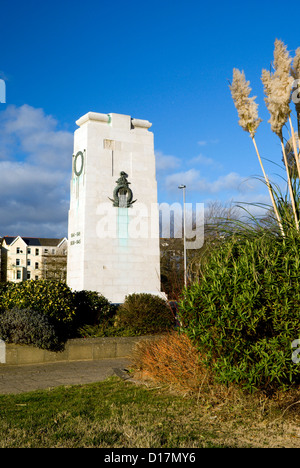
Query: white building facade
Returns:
{"type": "Point", "coordinates": [28, 258]}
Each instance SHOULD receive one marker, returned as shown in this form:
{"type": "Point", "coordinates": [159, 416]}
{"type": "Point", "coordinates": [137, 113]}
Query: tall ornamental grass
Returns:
{"type": "Point", "coordinates": [243, 311]}
{"type": "Point", "coordinates": [281, 88]}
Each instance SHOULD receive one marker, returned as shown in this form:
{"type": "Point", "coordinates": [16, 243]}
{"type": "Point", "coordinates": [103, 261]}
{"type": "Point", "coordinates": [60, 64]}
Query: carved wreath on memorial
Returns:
{"type": "Point", "coordinates": [122, 193]}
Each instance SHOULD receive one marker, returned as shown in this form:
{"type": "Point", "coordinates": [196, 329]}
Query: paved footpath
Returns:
{"type": "Point", "coordinates": [19, 379]}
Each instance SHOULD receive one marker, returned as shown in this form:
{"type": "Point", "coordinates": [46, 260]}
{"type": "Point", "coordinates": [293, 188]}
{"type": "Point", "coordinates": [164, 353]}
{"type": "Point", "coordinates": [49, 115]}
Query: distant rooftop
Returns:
{"type": "Point", "coordinates": [35, 241]}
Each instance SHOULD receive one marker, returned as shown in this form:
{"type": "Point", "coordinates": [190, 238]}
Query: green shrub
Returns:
{"type": "Point", "coordinates": [91, 308]}
{"type": "Point", "coordinates": [144, 314]}
{"type": "Point", "coordinates": [243, 314]}
{"type": "Point", "coordinates": [51, 298]}
{"type": "Point", "coordinates": [28, 327]}
{"type": "Point", "coordinates": [106, 328]}
{"type": "Point", "coordinates": [66, 310]}
{"type": "Point", "coordinates": [3, 288]}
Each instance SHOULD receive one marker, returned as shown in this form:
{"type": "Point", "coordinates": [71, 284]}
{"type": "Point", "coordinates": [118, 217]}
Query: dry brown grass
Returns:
{"type": "Point", "coordinates": [172, 359]}
{"type": "Point", "coordinates": [238, 418]}
{"type": "Point", "coordinates": [146, 414]}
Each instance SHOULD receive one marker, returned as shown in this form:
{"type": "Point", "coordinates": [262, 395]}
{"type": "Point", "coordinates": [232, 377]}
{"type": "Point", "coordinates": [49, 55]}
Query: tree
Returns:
{"type": "Point", "coordinates": [217, 218]}
{"type": "Point", "coordinates": [54, 266]}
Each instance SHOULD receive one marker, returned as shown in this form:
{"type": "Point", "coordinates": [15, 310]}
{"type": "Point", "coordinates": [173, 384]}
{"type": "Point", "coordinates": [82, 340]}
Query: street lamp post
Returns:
{"type": "Point", "coordinates": [183, 187]}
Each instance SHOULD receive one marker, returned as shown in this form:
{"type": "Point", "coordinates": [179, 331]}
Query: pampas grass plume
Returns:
{"type": "Point", "coordinates": [245, 105]}
{"type": "Point", "coordinates": [278, 88]}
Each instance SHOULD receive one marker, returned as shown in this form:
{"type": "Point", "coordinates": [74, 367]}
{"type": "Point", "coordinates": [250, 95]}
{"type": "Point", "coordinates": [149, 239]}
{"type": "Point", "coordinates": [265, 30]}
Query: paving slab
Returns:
{"type": "Point", "coordinates": [26, 378]}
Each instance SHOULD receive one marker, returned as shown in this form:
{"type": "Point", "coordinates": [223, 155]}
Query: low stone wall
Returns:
{"type": "Point", "coordinates": [82, 349]}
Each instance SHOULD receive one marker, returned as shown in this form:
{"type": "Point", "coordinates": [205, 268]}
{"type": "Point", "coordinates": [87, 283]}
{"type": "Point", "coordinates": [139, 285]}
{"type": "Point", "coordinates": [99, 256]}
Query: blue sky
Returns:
{"type": "Point", "coordinates": [165, 61]}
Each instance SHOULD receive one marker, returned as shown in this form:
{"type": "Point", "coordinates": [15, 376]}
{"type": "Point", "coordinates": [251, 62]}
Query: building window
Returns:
{"type": "Point", "coordinates": [36, 277]}
{"type": "Point", "coordinates": [45, 250]}
{"type": "Point", "coordinates": [53, 251]}
{"type": "Point", "coordinates": [19, 275]}
{"type": "Point", "coordinates": [37, 251]}
{"type": "Point", "coordinates": [36, 265]}
{"type": "Point", "coordinates": [29, 250]}
{"type": "Point", "coordinates": [28, 262]}
{"type": "Point", "coordinates": [28, 275]}
{"type": "Point", "coordinates": [18, 262]}
{"type": "Point", "coordinates": [18, 250]}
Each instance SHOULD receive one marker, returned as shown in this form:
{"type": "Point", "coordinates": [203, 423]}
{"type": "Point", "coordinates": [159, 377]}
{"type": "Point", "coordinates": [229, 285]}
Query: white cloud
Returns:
{"type": "Point", "coordinates": [165, 162]}
{"type": "Point", "coordinates": [207, 142]}
{"type": "Point", "coordinates": [35, 158]}
{"type": "Point", "coordinates": [201, 159]}
{"type": "Point", "coordinates": [231, 181]}
{"type": "Point", "coordinates": [189, 178]}
{"type": "Point", "coordinates": [29, 131]}
{"type": "Point", "coordinates": [194, 182]}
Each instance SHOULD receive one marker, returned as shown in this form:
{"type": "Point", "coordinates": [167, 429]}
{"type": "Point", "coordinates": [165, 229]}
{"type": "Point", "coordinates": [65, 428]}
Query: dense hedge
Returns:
{"type": "Point", "coordinates": [62, 308]}
{"type": "Point", "coordinates": [91, 307]}
{"type": "Point", "coordinates": [28, 327]}
{"type": "Point", "coordinates": [79, 313]}
{"type": "Point", "coordinates": [243, 314]}
{"type": "Point", "coordinates": [145, 314]}
{"type": "Point", "coordinates": [51, 298]}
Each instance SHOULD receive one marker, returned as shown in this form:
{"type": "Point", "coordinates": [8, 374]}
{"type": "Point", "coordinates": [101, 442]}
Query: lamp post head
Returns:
{"type": "Point", "coordinates": [182, 186]}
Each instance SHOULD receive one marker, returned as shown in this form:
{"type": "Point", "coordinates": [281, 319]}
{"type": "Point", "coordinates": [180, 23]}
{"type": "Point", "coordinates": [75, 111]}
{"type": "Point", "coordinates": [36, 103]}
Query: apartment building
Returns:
{"type": "Point", "coordinates": [29, 258]}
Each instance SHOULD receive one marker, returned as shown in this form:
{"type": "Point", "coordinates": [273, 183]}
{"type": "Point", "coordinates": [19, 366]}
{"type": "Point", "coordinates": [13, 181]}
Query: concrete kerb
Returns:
{"type": "Point", "coordinates": [82, 349]}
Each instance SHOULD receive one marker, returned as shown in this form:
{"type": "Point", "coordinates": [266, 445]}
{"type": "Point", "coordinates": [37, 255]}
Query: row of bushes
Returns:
{"type": "Point", "coordinates": [47, 313]}
{"type": "Point", "coordinates": [242, 315]}
{"type": "Point", "coordinates": [244, 312]}
{"type": "Point", "coordinates": [240, 319]}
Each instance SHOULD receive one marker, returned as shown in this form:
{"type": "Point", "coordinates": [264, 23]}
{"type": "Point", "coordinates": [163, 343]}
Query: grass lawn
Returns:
{"type": "Point", "coordinates": [108, 414]}
{"type": "Point", "coordinates": [119, 414]}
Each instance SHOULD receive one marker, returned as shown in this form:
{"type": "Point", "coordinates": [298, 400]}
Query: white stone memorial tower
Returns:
{"type": "Point", "coordinates": [113, 218]}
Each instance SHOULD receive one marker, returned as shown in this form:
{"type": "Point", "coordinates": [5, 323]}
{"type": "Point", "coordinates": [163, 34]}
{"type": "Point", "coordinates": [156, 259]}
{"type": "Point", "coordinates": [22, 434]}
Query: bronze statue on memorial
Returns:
{"type": "Point", "coordinates": [122, 193]}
